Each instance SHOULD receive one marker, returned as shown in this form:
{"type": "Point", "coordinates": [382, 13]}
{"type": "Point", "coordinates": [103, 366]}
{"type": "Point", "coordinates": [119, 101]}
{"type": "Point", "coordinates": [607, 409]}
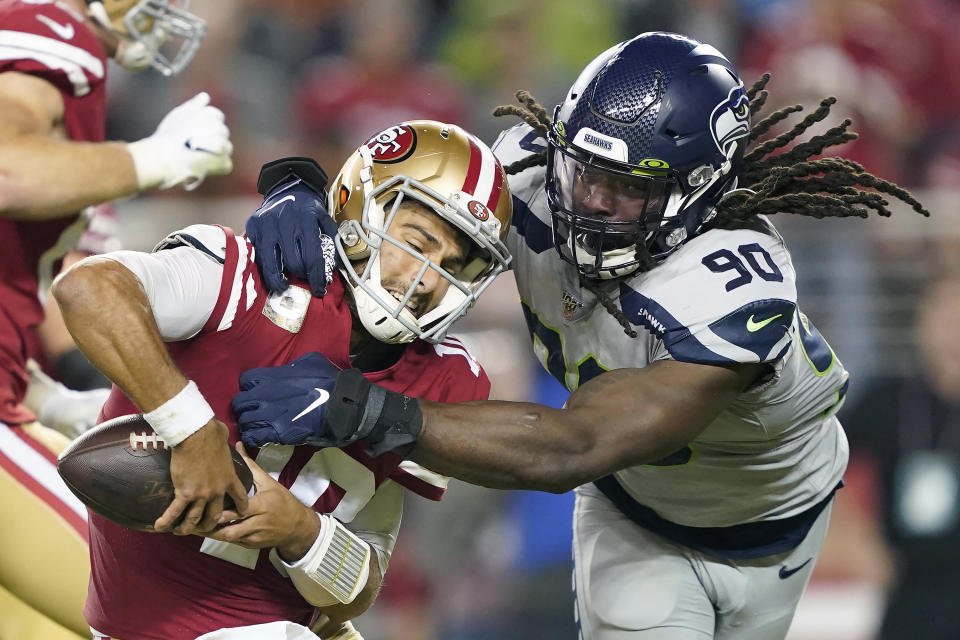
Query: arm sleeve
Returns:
{"type": "Point", "coordinates": [50, 42]}
{"type": "Point", "coordinates": [182, 286]}
{"type": "Point", "coordinates": [378, 522]}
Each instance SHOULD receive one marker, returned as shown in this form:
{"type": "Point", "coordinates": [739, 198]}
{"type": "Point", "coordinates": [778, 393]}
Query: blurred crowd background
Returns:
{"type": "Point", "coordinates": [317, 77]}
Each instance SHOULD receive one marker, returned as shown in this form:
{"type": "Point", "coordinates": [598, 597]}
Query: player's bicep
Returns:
{"type": "Point", "coordinates": [28, 105]}
{"type": "Point", "coordinates": [647, 414]}
{"type": "Point", "coordinates": [182, 286]}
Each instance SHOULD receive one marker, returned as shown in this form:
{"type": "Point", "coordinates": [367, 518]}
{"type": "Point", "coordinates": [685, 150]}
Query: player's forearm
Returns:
{"type": "Point", "coordinates": [509, 445]}
{"type": "Point", "coordinates": [42, 177]}
{"type": "Point", "coordinates": [619, 419]}
{"type": "Point", "coordinates": [109, 317]}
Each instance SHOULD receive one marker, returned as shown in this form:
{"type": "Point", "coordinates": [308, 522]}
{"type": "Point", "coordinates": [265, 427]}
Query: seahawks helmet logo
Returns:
{"type": "Point", "coordinates": [730, 120]}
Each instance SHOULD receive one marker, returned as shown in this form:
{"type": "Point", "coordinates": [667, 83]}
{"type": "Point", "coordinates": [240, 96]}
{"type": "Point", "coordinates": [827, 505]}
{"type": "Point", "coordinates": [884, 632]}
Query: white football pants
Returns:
{"type": "Point", "coordinates": [631, 584]}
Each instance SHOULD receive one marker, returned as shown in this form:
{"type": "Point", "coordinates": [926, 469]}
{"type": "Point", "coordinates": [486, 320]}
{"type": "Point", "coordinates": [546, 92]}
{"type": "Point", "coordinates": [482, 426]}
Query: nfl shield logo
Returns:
{"type": "Point", "coordinates": [570, 305]}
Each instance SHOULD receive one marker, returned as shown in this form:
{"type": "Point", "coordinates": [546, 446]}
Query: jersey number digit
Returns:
{"type": "Point", "coordinates": [343, 498]}
{"type": "Point", "coordinates": [725, 260]}
{"type": "Point", "coordinates": [554, 361]}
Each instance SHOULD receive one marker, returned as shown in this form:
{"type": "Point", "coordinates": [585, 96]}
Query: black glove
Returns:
{"type": "Point", "coordinates": [309, 402]}
{"type": "Point", "coordinates": [291, 230]}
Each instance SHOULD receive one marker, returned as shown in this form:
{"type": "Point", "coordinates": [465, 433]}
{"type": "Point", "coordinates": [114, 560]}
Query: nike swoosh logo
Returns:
{"type": "Point", "coordinates": [324, 396]}
{"type": "Point", "coordinates": [189, 145]}
{"type": "Point", "coordinates": [280, 201]}
{"type": "Point", "coordinates": [756, 326]}
{"type": "Point", "coordinates": [65, 31]}
{"type": "Point", "coordinates": [786, 573]}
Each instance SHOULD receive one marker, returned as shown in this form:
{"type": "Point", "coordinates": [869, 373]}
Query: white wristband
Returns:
{"type": "Point", "coordinates": [338, 561]}
{"type": "Point", "coordinates": [149, 163]}
{"type": "Point", "coordinates": [181, 416]}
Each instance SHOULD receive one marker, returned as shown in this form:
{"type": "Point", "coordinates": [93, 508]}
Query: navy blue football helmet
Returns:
{"type": "Point", "coordinates": [648, 140]}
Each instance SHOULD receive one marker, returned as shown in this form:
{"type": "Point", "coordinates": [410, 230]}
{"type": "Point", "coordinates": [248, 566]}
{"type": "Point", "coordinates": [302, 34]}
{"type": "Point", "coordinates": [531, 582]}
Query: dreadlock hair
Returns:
{"type": "Point", "coordinates": [771, 180]}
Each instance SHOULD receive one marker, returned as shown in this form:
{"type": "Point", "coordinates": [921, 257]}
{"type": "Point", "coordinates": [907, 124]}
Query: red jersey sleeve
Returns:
{"type": "Point", "coordinates": [51, 41]}
{"type": "Point", "coordinates": [462, 379]}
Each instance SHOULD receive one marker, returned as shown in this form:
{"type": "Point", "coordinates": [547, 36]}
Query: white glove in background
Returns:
{"type": "Point", "coordinates": [64, 410]}
{"type": "Point", "coordinates": [190, 143]}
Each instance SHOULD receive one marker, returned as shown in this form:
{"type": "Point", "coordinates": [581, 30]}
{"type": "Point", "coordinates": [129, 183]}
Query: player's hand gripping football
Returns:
{"type": "Point", "coordinates": [291, 230]}
{"type": "Point", "coordinates": [190, 143]}
{"type": "Point", "coordinates": [310, 401]}
{"type": "Point", "coordinates": [203, 473]}
{"type": "Point", "coordinates": [274, 518]}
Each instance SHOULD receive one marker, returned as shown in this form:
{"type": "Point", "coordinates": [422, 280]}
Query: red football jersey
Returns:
{"type": "Point", "coordinates": [148, 586]}
{"type": "Point", "coordinates": [49, 41]}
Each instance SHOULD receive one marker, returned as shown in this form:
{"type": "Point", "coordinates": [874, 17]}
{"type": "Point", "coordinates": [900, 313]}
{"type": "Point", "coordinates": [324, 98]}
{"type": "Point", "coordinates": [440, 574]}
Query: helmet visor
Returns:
{"type": "Point", "coordinates": [604, 215]}
{"type": "Point", "coordinates": [617, 196]}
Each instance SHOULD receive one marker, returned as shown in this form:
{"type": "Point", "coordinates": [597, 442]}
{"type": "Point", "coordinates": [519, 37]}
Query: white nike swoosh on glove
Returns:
{"type": "Point", "coordinates": [281, 200]}
{"type": "Point", "coordinates": [190, 145]}
{"type": "Point", "coordinates": [324, 396]}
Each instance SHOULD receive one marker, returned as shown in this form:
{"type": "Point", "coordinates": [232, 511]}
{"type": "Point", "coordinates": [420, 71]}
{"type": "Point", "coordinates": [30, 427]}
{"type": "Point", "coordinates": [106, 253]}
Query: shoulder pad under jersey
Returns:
{"type": "Point", "coordinates": [207, 238]}
{"type": "Point", "coordinates": [724, 297]}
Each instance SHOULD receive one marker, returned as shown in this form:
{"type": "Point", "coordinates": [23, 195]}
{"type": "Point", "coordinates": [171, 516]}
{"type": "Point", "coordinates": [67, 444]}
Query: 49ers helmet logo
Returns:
{"type": "Point", "coordinates": [479, 210]}
{"type": "Point", "coordinates": [393, 144]}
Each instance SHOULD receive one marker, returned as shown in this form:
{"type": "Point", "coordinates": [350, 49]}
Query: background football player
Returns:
{"type": "Point", "coordinates": [423, 208]}
{"type": "Point", "coordinates": [700, 433]}
{"type": "Point", "coordinates": [53, 164]}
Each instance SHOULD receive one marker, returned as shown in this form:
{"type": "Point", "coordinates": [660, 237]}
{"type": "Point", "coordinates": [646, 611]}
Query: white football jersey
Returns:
{"type": "Point", "coordinates": [724, 297]}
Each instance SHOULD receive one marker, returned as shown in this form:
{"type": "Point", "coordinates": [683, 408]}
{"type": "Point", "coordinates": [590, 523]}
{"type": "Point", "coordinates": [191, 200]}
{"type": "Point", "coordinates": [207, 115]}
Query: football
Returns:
{"type": "Point", "coordinates": [120, 469]}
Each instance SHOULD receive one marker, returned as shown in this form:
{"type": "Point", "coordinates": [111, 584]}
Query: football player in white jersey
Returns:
{"type": "Point", "coordinates": [700, 433]}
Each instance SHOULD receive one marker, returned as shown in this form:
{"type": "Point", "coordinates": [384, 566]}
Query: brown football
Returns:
{"type": "Point", "coordinates": [120, 469]}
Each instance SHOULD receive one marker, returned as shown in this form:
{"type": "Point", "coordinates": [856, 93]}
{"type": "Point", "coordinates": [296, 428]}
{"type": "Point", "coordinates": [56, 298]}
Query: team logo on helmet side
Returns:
{"type": "Point", "coordinates": [393, 144]}
{"type": "Point", "coordinates": [479, 210]}
{"type": "Point", "coordinates": [730, 120]}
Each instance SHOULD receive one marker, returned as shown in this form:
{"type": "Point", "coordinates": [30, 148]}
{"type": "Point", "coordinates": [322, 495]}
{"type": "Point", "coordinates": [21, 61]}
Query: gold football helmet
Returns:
{"type": "Point", "coordinates": [453, 174]}
{"type": "Point", "coordinates": [157, 33]}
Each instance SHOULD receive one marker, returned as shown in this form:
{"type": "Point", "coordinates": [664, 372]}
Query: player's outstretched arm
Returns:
{"type": "Point", "coordinates": [108, 313]}
{"type": "Point", "coordinates": [43, 175]}
{"type": "Point", "coordinates": [619, 419]}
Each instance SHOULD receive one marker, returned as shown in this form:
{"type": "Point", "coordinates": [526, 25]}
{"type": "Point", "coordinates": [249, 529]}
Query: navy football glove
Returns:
{"type": "Point", "coordinates": [285, 404]}
{"type": "Point", "coordinates": [292, 230]}
{"type": "Point", "coordinates": [310, 402]}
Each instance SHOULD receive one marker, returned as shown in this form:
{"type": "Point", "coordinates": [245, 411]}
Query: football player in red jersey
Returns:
{"type": "Point", "coordinates": [54, 163]}
{"type": "Point", "coordinates": [422, 209]}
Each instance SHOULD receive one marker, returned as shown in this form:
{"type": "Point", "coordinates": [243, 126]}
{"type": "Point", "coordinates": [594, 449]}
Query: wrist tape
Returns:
{"type": "Point", "coordinates": [181, 416]}
{"type": "Point", "coordinates": [338, 561]}
{"type": "Point", "coordinates": [385, 420]}
{"type": "Point", "coordinates": [149, 162]}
